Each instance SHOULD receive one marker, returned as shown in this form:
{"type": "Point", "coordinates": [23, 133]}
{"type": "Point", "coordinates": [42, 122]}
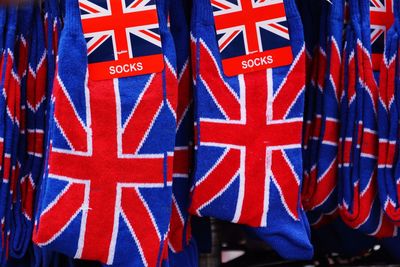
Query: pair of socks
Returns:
{"type": "Point", "coordinates": [113, 201]}
{"type": "Point", "coordinates": [388, 114]}
{"type": "Point", "coordinates": [322, 200]}
{"type": "Point", "coordinates": [358, 202]}
{"type": "Point", "coordinates": [182, 247]}
{"type": "Point", "coordinates": [8, 119]}
{"type": "Point", "coordinates": [248, 167]}
{"type": "Point", "coordinates": [20, 232]}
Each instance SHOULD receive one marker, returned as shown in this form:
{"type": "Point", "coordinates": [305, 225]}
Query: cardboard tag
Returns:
{"type": "Point", "coordinates": [381, 19]}
{"type": "Point", "coordinates": [122, 36]}
{"type": "Point", "coordinates": [252, 35]}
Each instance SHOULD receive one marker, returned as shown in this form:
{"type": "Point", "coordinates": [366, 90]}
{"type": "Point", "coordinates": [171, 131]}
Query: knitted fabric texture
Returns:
{"type": "Point", "coordinates": [113, 202]}
{"type": "Point", "coordinates": [248, 166]}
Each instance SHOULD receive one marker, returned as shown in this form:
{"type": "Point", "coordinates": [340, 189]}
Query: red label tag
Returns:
{"type": "Point", "coordinates": [382, 18]}
{"type": "Point", "coordinates": [252, 35]}
{"type": "Point", "coordinates": [122, 36]}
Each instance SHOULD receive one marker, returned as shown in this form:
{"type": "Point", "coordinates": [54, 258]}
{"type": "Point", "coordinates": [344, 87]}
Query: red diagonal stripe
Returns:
{"type": "Point", "coordinates": [218, 178]}
{"type": "Point", "coordinates": [143, 115]}
{"type": "Point", "coordinates": [291, 86]}
{"type": "Point", "coordinates": [52, 222]}
{"type": "Point", "coordinates": [285, 181]}
{"type": "Point", "coordinates": [223, 95]}
{"type": "Point", "coordinates": [139, 220]}
{"type": "Point", "coordinates": [67, 118]}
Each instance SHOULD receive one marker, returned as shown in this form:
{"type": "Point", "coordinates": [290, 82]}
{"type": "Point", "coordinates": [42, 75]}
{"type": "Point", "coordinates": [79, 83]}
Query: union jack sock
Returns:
{"type": "Point", "coordinates": [182, 247]}
{"type": "Point", "coordinates": [312, 52]}
{"type": "Point", "coordinates": [369, 135]}
{"type": "Point", "coordinates": [311, 16]}
{"type": "Point", "coordinates": [248, 166]}
{"type": "Point", "coordinates": [21, 228]}
{"type": "Point", "coordinates": [9, 123]}
{"type": "Point", "coordinates": [318, 185]}
{"type": "Point", "coordinates": [388, 124]}
{"type": "Point", "coordinates": [359, 205]}
{"type": "Point", "coordinates": [324, 201]}
{"type": "Point", "coordinates": [116, 209]}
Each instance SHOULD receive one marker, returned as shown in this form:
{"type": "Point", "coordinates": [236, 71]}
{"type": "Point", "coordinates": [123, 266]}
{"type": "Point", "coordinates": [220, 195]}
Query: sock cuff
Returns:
{"type": "Point", "coordinates": [204, 12]}
{"type": "Point", "coordinates": [354, 13]}
{"type": "Point", "coordinates": [291, 9]}
{"type": "Point", "coordinates": [337, 10]}
{"type": "Point", "coordinates": [72, 17]}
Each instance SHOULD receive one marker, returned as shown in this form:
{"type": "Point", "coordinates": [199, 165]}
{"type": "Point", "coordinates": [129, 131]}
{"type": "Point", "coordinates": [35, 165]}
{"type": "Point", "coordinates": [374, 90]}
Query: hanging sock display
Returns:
{"type": "Point", "coordinates": [358, 202]}
{"type": "Point", "coordinates": [116, 209]}
{"type": "Point", "coordinates": [20, 232]}
{"type": "Point", "coordinates": [9, 124]}
{"type": "Point", "coordinates": [248, 159]}
{"type": "Point", "coordinates": [310, 12]}
{"type": "Point", "coordinates": [318, 193]}
{"type": "Point", "coordinates": [388, 128]}
{"type": "Point", "coordinates": [324, 202]}
{"type": "Point", "coordinates": [182, 247]}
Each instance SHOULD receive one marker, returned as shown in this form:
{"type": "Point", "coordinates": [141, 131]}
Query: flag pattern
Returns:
{"type": "Point", "coordinates": [180, 235]}
{"type": "Point", "coordinates": [122, 209]}
{"type": "Point", "coordinates": [316, 89]}
{"type": "Point", "coordinates": [240, 39]}
{"type": "Point", "coordinates": [120, 31]}
{"type": "Point", "coordinates": [216, 132]}
{"type": "Point", "coordinates": [245, 157]}
{"type": "Point", "coordinates": [248, 28]}
{"type": "Point", "coordinates": [323, 203]}
{"type": "Point", "coordinates": [382, 17]}
{"type": "Point", "coordinates": [100, 160]}
{"type": "Point", "coordinates": [10, 127]}
{"type": "Point", "coordinates": [388, 128]}
{"type": "Point", "coordinates": [359, 205]}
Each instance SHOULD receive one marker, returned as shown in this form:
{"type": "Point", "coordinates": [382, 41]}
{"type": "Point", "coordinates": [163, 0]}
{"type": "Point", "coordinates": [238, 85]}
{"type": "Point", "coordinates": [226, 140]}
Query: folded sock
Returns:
{"type": "Point", "coordinates": [21, 226]}
{"type": "Point", "coordinates": [246, 171]}
{"type": "Point", "coordinates": [8, 120]}
{"type": "Point", "coordinates": [388, 167]}
{"type": "Point", "coordinates": [181, 249]}
{"type": "Point", "coordinates": [328, 161]}
{"type": "Point", "coordinates": [310, 11]}
{"type": "Point", "coordinates": [113, 202]}
{"type": "Point", "coordinates": [359, 205]}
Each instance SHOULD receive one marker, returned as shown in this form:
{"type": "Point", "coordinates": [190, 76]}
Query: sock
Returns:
{"type": "Point", "coordinates": [321, 201]}
{"type": "Point", "coordinates": [359, 206]}
{"type": "Point", "coordinates": [3, 17]}
{"type": "Point", "coordinates": [338, 237]}
{"type": "Point", "coordinates": [325, 200]}
{"type": "Point", "coordinates": [8, 120]}
{"type": "Point", "coordinates": [315, 87]}
{"type": "Point", "coordinates": [182, 251]}
{"type": "Point", "coordinates": [388, 125]}
{"type": "Point", "coordinates": [370, 142]}
{"type": "Point", "coordinates": [311, 117]}
{"type": "Point", "coordinates": [240, 183]}
{"type": "Point", "coordinates": [20, 232]}
{"type": "Point", "coordinates": [128, 124]}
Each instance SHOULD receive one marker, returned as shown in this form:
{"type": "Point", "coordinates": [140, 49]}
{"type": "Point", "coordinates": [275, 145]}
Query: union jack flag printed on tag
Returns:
{"type": "Point", "coordinates": [382, 18]}
{"type": "Point", "coordinates": [123, 37]}
{"type": "Point", "coordinates": [252, 35]}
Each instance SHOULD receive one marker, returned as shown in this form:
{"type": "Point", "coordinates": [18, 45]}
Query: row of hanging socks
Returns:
{"type": "Point", "coordinates": [349, 142]}
{"type": "Point", "coordinates": [30, 37]}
